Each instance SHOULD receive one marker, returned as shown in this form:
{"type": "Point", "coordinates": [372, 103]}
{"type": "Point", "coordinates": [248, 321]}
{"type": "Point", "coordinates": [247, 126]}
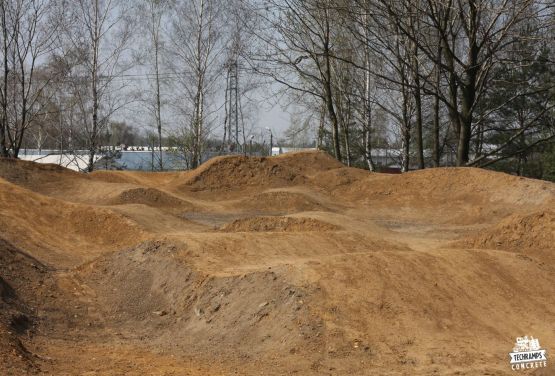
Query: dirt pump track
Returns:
{"type": "Point", "coordinates": [289, 265]}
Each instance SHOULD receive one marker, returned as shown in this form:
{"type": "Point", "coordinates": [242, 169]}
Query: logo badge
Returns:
{"type": "Point", "coordinates": [527, 353]}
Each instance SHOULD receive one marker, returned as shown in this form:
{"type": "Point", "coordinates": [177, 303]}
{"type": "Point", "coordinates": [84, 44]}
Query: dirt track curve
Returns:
{"type": "Point", "coordinates": [290, 265]}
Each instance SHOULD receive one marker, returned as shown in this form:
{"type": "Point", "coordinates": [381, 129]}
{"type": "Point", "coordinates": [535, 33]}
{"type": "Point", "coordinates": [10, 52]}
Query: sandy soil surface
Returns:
{"type": "Point", "coordinates": [290, 265]}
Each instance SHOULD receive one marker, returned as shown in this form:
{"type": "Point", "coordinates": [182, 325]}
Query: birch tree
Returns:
{"type": "Point", "coordinates": [98, 31]}
{"type": "Point", "coordinates": [198, 45]}
{"type": "Point", "coordinates": [152, 14]}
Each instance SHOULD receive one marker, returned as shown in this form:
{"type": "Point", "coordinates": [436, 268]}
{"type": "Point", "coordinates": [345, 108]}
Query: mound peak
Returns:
{"type": "Point", "coordinates": [34, 175]}
{"type": "Point", "coordinates": [236, 172]}
{"type": "Point", "coordinates": [448, 185]}
{"type": "Point", "coordinates": [310, 162]}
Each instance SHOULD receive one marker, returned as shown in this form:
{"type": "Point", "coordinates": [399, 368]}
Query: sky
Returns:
{"type": "Point", "coordinates": [275, 118]}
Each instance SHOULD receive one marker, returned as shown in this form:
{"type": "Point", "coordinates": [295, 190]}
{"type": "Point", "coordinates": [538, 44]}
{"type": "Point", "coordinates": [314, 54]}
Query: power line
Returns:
{"type": "Point", "coordinates": [125, 77]}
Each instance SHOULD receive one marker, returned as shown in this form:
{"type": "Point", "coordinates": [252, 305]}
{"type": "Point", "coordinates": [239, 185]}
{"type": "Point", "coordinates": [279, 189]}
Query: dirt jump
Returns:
{"type": "Point", "coordinates": [289, 265]}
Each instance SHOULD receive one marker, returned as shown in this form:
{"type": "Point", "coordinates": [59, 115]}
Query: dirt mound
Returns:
{"type": "Point", "coordinates": [151, 197]}
{"type": "Point", "coordinates": [58, 231]}
{"type": "Point", "coordinates": [530, 234]}
{"type": "Point", "coordinates": [278, 224]}
{"type": "Point", "coordinates": [309, 162]}
{"type": "Point", "coordinates": [465, 195]}
{"type": "Point", "coordinates": [238, 172]}
{"type": "Point", "coordinates": [437, 185]}
{"type": "Point", "coordinates": [279, 202]}
{"type": "Point", "coordinates": [150, 294]}
{"type": "Point", "coordinates": [34, 175]}
{"type": "Point", "coordinates": [103, 227]}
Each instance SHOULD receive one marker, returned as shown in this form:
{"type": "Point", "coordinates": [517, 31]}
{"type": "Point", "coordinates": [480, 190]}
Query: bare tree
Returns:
{"type": "Point", "coordinates": [198, 45]}
{"type": "Point", "coordinates": [98, 32]}
{"type": "Point", "coordinates": [29, 29]}
{"type": "Point", "coordinates": [297, 49]}
{"type": "Point", "coordinates": [472, 35]}
{"type": "Point", "coordinates": [152, 14]}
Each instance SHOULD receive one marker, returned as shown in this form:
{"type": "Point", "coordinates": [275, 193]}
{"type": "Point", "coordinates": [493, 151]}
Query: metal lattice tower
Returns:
{"type": "Point", "coordinates": [234, 102]}
{"type": "Point", "coordinates": [233, 107]}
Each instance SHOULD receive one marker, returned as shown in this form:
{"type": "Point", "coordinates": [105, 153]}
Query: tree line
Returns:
{"type": "Point", "coordinates": [472, 79]}
{"type": "Point", "coordinates": [444, 82]}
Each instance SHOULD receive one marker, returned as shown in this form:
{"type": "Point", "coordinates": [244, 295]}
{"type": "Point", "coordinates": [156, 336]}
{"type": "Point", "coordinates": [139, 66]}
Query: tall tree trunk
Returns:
{"type": "Point", "coordinates": [93, 137]}
{"type": "Point", "coordinates": [158, 104]}
{"type": "Point", "coordinates": [4, 117]}
{"type": "Point", "coordinates": [321, 126]}
{"type": "Point", "coordinates": [3, 149]}
{"type": "Point", "coordinates": [436, 157]}
{"type": "Point", "coordinates": [403, 58]}
{"type": "Point", "coordinates": [200, 124]}
{"type": "Point", "coordinates": [334, 121]}
{"type": "Point", "coordinates": [406, 127]}
{"type": "Point", "coordinates": [61, 124]}
{"type": "Point", "coordinates": [467, 103]}
{"type": "Point", "coordinates": [20, 131]}
{"type": "Point", "coordinates": [368, 123]}
{"type": "Point", "coordinates": [347, 144]}
{"type": "Point", "coordinates": [479, 141]}
{"type": "Point", "coordinates": [367, 101]}
{"type": "Point", "coordinates": [345, 116]}
{"type": "Point", "coordinates": [415, 70]}
{"type": "Point", "coordinates": [453, 107]}
{"type": "Point", "coordinates": [463, 147]}
{"type": "Point", "coordinates": [469, 86]}
{"type": "Point", "coordinates": [368, 146]}
{"type": "Point", "coordinates": [226, 116]}
{"type": "Point", "coordinates": [199, 97]}
{"type": "Point", "coordinates": [436, 153]}
{"type": "Point", "coordinates": [197, 127]}
{"type": "Point", "coordinates": [419, 135]}
{"type": "Point", "coordinates": [328, 92]}
{"type": "Point", "coordinates": [405, 138]}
